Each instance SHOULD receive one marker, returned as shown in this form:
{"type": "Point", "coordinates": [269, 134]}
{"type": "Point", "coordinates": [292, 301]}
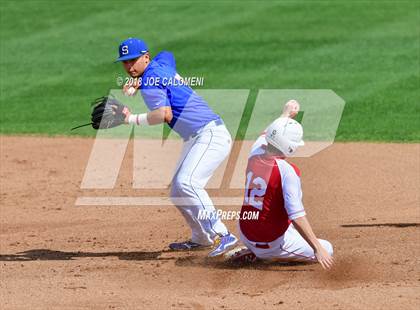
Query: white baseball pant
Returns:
{"type": "Point", "coordinates": [200, 157]}
{"type": "Point", "coordinates": [289, 247]}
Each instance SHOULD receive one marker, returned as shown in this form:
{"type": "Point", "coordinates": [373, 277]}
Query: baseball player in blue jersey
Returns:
{"type": "Point", "coordinates": [207, 142]}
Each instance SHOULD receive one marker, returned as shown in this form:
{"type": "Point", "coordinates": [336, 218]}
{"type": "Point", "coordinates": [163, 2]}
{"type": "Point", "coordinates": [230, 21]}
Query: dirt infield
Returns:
{"type": "Point", "coordinates": [364, 198]}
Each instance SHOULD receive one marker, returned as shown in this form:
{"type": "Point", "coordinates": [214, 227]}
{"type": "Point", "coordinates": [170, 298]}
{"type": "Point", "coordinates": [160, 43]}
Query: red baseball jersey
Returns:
{"type": "Point", "coordinates": [273, 189]}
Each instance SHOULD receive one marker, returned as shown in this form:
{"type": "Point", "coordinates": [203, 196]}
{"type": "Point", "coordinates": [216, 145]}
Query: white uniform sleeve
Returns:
{"type": "Point", "coordinates": [292, 191]}
{"type": "Point", "coordinates": [258, 147]}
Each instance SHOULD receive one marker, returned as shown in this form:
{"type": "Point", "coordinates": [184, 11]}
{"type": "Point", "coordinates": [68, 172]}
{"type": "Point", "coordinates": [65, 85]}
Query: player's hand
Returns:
{"type": "Point", "coordinates": [324, 258]}
{"type": "Point", "coordinates": [291, 109]}
{"type": "Point", "coordinates": [130, 89]}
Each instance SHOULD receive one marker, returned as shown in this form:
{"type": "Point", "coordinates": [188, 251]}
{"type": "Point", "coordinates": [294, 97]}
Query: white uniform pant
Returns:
{"type": "Point", "coordinates": [200, 157]}
{"type": "Point", "coordinates": [289, 247]}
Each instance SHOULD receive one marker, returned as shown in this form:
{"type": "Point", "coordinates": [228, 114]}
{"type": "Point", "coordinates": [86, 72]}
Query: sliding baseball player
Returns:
{"type": "Point", "coordinates": [273, 188]}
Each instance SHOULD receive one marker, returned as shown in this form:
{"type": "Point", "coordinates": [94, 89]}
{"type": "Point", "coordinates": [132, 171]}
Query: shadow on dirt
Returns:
{"type": "Point", "coordinates": [185, 261]}
{"type": "Point", "coordinates": [199, 261]}
{"type": "Point", "coordinates": [45, 254]}
{"type": "Point", "coordinates": [398, 225]}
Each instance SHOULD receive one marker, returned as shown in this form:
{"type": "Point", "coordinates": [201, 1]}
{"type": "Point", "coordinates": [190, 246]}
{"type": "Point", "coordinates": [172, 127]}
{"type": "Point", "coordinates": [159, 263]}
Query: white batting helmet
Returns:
{"type": "Point", "coordinates": [285, 134]}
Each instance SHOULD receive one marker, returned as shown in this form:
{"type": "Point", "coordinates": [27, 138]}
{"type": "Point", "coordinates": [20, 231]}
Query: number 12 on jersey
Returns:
{"type": "Point", "coordinates": [254, 196]}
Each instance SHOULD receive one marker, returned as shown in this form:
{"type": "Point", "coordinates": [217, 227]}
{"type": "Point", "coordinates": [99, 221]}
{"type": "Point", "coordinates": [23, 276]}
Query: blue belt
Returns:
{"type": "Point", "coordinates": [216, 122]}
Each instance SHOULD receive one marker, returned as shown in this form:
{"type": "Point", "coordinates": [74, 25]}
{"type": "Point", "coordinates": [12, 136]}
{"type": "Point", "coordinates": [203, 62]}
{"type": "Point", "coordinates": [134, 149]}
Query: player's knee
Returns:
{"type": "Point", "coordinates": [180, 188]}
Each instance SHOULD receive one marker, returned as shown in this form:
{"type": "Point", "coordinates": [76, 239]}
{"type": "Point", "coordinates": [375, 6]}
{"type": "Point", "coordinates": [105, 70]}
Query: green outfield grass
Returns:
{"type": "Point", "coordinates": [58, 56]}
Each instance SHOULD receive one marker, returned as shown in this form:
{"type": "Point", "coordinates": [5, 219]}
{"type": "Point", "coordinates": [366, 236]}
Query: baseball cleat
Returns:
{"type": "Point", "coordinates": [223, 244]}
{"type": "Point", "coordinates": [241, 255]}
{"type": "Point", "coordinates": [186, 246]}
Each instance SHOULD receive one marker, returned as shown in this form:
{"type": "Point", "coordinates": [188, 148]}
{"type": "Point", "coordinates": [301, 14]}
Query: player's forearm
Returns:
{"type": "Point", "coordinates": [304, 228]}
{"type": "Point", "coordinates": [158, 116]}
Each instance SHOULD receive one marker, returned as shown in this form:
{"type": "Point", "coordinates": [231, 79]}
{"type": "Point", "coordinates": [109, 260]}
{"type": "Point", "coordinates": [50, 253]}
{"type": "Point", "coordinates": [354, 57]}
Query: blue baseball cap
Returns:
{"type": "Point", "coordinates": [132, 48]}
